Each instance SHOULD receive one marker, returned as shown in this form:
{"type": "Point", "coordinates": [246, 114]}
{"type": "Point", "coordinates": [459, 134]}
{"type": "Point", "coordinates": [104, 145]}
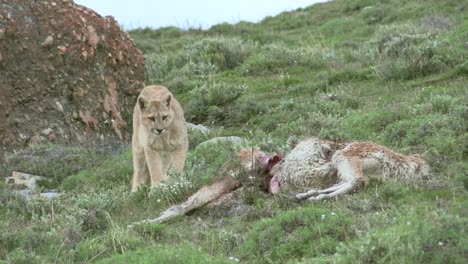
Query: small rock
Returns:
{"type": "Point", "coordinates": [62, 50]}
{"type": "Point", "coordinates": [52, 137]}
{"type": "Point", "coordinates": [47, 131]}
{"type": "Point", "coordinates": [84, 54]}
{"type": "Point", "coordinates": [59, 106]}
{"type": "Point", "coordinates": [28, 181]}
{"type": "Point", "coordinates": [328, 97]}
{"type": "Point", "coordinates": [199, 127]}
{"type": "Point", "coordinates": [93, 38]}
{"type": "Point", "coordinates": [49, 195]}
{"type": "Point", "coordinates": [48, 41]}
{"type": "Point", "coordinates": [34, 140]}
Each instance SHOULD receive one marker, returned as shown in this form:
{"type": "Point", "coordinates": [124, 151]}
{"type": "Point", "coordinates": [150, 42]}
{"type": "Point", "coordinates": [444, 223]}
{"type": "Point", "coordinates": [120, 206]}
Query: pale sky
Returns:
{"type": "Point", "coordinates": [190, 13]}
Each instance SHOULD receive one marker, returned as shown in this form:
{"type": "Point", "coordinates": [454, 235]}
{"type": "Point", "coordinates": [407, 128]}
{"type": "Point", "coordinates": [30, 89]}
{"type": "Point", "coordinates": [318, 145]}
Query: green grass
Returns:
{"type": "Point", "coordinates": [389, 71]}
{"type": "Point", "coordinates": [165, 254]}
{"type": "Point", "coordinates": [295, 234]}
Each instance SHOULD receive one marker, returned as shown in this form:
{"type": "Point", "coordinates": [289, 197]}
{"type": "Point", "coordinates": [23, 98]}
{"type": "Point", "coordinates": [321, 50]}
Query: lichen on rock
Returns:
{"type": "Point", "coordinates": [66, 68]}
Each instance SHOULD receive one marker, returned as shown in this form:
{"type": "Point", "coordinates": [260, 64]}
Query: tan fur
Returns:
{"type": "Point", "coordinates": [346, 167]}
{"type": "Point", "coordinates": [252, 159]}
{"type": "Point", "coordinates": [351, 165]}
{"type": "Point", "coordinates": [204, 196]}
{"type": "Point", "coordinates": [159, 141]}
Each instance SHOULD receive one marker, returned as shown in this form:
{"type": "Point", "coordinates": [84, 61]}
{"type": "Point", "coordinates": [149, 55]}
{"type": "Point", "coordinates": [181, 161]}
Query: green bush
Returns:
{"type": "Point", "coordinates": [152, 40]}
{"type": "Point", "coordinates": [210, 101]}
{"type": "Point", "coordinates": [435, 22]}
{"type": "Point", "coordinates": [294, 234]}
{"type": "Point", "coordinates": [356, 5]}
{"type": "Point", "coordinates": [223, 53]}
{"type": "Point", "coordinates": [436, 103]}
{"type": "Point", "coordinates": [226, 29]}
{"type": "Point", "coordinates": [111, 172]}
{"type": "Point", "coordinates": [275, 57]}
{"type": "Point", "coordinates": [186, 254]}
{"type": "Point", "coordinates": [248, 110]}
{"type": "Point", "coordinates": [182, 70]}
{"type": "Point", "coordinates": [161, 65]}
{"type": "Point", "coordinates": [436, 239]}
{"type": "Point", "coordinates": [463, 68]}
{"type": "Point", "coordinates": [371, 124]}
{"type": "Point", "coordinates": [380, 13]}
{"type": "Point", "coordinates": [410, 51]}
{"type": "Point", "coordinates": [116, 240]}
{"type": "Point", "coordinates": [342, 26]}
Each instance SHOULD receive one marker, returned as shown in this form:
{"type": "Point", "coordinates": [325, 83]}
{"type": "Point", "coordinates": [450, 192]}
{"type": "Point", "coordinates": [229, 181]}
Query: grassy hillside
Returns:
{"type": "Point", "coordinates": [389, 71]}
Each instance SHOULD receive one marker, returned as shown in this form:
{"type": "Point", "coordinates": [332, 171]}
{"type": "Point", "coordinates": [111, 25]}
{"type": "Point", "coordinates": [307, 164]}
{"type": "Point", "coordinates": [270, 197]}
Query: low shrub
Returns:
{"type": "Point", "coordinates": [114, 242]}
{"type": "Point", "coordinates": [166, 254]}
{"type": "Point", "coordinates": [294, 234]}
{"type": "Point", "coordinates": [369, 125]}
{"type": "Point", "coordinates": [224, 53]}
{"type": "Point", "coordinates": [110, 173]}
{"type": "Point", "coordinates": [248, 110]}
{"type": "Point", "coordinates": [409, 51]}
{"type": "Point", "coordinates": [380, 13]}
{"type": "Point", "coordinates": [210, 101]}
{"type": "Point", "coordinates": [160, 65]}
{"type": "Point", "coordinates": [350, 6]}
{"type": "Point", "coordinates": [276, 57]}
{"type": "Point", "coordinates": [414, 239]}
{"type": "Point", "coordinates": [197, 62]}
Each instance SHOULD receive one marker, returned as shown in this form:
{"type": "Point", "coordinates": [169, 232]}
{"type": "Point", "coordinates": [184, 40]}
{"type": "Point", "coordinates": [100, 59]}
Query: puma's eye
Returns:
{"type": "Point", "coordinates": [164, 117]}
{"type": "Point", "coordinates": [151, 118]}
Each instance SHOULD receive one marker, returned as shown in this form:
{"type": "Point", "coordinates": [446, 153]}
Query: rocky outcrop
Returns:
{"type": "Point", "coordinates": [66, 74]}
{"type": "Point", "coordinates": [27, 185]}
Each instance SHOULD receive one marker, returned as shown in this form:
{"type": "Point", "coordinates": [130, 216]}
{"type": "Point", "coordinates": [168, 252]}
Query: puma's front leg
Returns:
{"type": "Point", "coordinates": [178, 160]}
{"type": "Point", "coordinates": [140, 169]}
{"type": "Point", "coordinates": [155, 166]}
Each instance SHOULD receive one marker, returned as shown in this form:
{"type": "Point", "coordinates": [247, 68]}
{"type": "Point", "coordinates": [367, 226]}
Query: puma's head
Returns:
{"type": "Point", "coordinates": [156, 115]}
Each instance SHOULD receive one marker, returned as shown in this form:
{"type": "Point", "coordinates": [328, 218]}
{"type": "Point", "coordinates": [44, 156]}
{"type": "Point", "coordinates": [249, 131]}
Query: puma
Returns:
{"type": "Point", "coordinates": [160, 140]}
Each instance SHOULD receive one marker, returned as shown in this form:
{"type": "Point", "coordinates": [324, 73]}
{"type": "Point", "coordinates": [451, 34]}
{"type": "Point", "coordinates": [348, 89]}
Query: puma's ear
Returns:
{"type": "Point", "coordinates": [142, 102]}
{"type": "Point", "coordinates": [168, 99]}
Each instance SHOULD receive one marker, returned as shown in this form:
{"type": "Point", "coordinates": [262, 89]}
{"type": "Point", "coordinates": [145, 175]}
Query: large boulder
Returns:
{"type": "Point", "coordinates": [67, 74]}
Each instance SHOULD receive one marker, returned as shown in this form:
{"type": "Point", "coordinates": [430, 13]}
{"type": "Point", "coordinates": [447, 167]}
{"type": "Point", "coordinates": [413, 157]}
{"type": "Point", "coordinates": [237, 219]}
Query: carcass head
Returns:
{"type": "Point", "coordinates": [263, 164]}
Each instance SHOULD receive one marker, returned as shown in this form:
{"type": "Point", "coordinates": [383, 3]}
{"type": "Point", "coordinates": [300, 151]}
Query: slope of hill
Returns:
{"type": "Point", "coordinates": [389, 71]}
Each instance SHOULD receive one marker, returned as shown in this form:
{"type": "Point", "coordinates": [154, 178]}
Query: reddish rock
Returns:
{"type": "Point", "coordinates": [66, 68]}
